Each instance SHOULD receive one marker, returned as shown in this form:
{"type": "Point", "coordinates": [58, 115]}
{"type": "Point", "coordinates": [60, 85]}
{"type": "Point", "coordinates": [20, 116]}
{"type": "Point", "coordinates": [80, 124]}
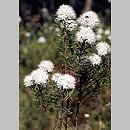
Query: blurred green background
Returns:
{"type": "Point", "coordinates": [37, 41]}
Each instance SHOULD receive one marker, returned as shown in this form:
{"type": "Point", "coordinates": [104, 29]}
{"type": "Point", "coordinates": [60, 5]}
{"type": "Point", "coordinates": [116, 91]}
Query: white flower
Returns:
{"type": "Point", "coordinates": [28, 81]}
{"type": "Point", "coordinates": [99, 37]}
{"type": "Point", "coordinates": [56, 76]}
{"type": "Point", "coordinates": [107, 32]}
{"type": "Point", "coordinates": [103, 48]}
{"type": "Point", "coordinates": [86, 115]}
{"type": "Point", "coordinates": [100, 31]}
{"type": "Point", "coordinates": [27, 34]}
{"type": "Point", "coordinates": [45, 12]}
{"type": "Point", "coordinates": [46, 66]}
{"type": "Point", "coordinates": [89, 19]}
{"type": "Point", "coordinates": [57, 29]}
{"type": "Point", "coordinates": [69, 25]}
{"type": "Point", "coordinates": [65, 12]}
{"type": "Point", "coordinates": [39, 76]}
{"type": "Point", "coordinates": [95, 59]}
{"type": "Point", "coordinates": [67, 81]}
{"type": "Point", "coordinates": [85, 35]}
{"type": "Point", "coordinates": [41, 40]}
{"type": "Point", "coordinates": [64, 80]}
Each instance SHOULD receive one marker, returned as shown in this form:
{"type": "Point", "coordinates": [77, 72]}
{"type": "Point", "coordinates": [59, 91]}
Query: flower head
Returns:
{"type": "Point", "coordinates": [45, 12]}
{"type": "Point", "coordinates": [85, 35]}
{"type": "Point", "coordinates": [107, 32]}
{"type": "Point", "coordinates": [46, 66]}
{"type": "Point", "coordinates": [99, 36]}
{"type": "Point", "coordinates": [65, 12]}
{"type": "Point", "coordinates": [27, 34]}
{"type": "Point", "coordinates": [41, 40]}
{"type": "Point", "coordinates": [95, 59]}
{"type": "Point", "coordinates": [57, 29]}
{"type": "Point", "coordinates": [86, 115]}
{"type": "Point", "coordinates": [88, 19]}
{"type": "Point", "coordinates": [64, 80]}
{"type": "Point", "coordinates": [28, 81]}
{"type": "Point", "coordinates": [39, 76]}
{"type": "Point", "coordinates": [56, 76]}
{"type": "Point", "coordinates": [103, 48]}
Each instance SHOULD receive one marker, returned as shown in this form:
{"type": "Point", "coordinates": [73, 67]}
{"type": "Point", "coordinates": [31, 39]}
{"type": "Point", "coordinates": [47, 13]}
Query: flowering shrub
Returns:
{"type": "Point", "coordinates": [84, 65]}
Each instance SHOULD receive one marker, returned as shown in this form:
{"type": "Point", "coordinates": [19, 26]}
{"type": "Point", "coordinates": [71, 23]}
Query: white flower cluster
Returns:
{"type": "Point", "coordinates": [86, 115]}
{"type": "Point", "coordinates": [40, 75]}
{"type": "Point", "coordinates": [36, 77]}
{"type": "Point", "coordinates": [85, 35]}
{"type": "Point", "coordinates": [65, 12]}
{"type": "Point", "coordinates": [87, 22]}
{"type": "Point", "coordinates": [107, 32]}
{"type": "Point", "coordinates": [27, 34]}
{"type": "Point", "coordinates": [56, 76]}
{"type": "Point", "coordinates": [66, 15]}
{"type": "Point", "coordinates": [46, 66]}
{"type": "Point", "coordinates": [88, 19]}
{"type": "Point", "coordinates": [99, 37]}
{"type": "Point", "coordinates": [41, 40]}
{"type": "Point", "coordinates": [64, 80]}
{"type": "Point", "coordinates": [95, 59]}
{"type": "Point", "coordinates": [103, 48]}
{"type": "Point", "coordinates": [28, 81]}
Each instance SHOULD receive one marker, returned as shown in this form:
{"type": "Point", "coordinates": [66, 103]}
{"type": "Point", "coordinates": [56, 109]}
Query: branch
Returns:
{"type": "Point", "coordinates": [94, 90]}
{"type": "Point", "coordinates": [92, 83]}
{"type": "Point", "coordinates": [88, 99]}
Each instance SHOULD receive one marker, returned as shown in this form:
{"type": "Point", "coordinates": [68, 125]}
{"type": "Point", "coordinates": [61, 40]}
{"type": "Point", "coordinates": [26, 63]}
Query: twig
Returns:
{"type": "Point", "coordinates": [92, 81]}
{"type": "Point", "coordinates": [88, 99]}
{"type": "Point", "coordinates": [62, 105]}
{"type": "Point", "coordinates": [78, 106]}
{"type": "Point", "coordinates": [79, 90]}
{"type": "Point", "coordinates": [56, 125]}
{"type": "Point", "coordinates": [67, 106]}
{"type": "Point", "coordinates": [92, 95]}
